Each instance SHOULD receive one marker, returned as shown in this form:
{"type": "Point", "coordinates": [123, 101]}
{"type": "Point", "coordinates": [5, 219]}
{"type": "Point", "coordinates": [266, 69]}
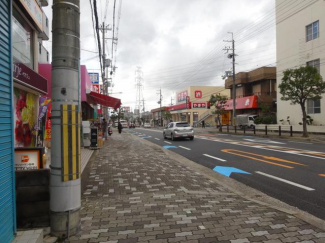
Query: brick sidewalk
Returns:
{"type": "Point", "coordinates": [134, 192]}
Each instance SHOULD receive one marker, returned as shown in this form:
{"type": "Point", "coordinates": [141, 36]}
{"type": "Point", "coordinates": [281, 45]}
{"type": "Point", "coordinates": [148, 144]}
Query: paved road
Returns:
{"type": "Point", "coordinates": [291, 171]}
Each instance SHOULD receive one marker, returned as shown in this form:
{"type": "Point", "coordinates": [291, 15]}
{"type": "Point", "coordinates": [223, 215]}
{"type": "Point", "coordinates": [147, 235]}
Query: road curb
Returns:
{"type": "Point", "coordinates": [241, 189]}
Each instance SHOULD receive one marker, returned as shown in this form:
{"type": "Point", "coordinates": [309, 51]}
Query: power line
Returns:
{"type": "Point", "coordinates": [98, 39]}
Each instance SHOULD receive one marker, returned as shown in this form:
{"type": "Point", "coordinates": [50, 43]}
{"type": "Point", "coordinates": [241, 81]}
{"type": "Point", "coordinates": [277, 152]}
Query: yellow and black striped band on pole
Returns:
{"type": "Point", "coordinates": [70, 142]}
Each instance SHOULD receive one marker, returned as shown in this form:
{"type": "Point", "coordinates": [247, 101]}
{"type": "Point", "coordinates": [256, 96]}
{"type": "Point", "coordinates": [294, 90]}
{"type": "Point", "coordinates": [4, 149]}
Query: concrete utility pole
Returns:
{"type": "Point", "coordinates": [232, 56]}
{"type": "Point", "coordinates": [171, 100]}
{"type": "Point", "coordinates": [65, 188]}
{"type": "Point", "coordinates": [159, 102]}
{"type": "Point", "coordinates": [106, 64]}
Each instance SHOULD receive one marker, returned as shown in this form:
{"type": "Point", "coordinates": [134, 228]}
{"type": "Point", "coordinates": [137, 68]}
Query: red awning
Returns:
{"type": "Point", "coordinates": [179, 107]}
{"type": "Point", "coordinates": [105, 100]}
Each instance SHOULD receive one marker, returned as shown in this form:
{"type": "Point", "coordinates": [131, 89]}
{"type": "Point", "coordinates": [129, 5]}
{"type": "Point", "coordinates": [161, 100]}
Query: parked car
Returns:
{"type": "Point", "coordinates": [178, 130]}
{"type": "Point", "coordinates": [146, 125]}
{"type": "Point", "coordinates": [131, 125]}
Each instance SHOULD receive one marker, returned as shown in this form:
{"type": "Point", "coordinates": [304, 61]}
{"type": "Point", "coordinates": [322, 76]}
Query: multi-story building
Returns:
{"type": "Point", "coordinates": [300, 41]}
{"type": "Point", "coordinates": [252, 88]}
{"type": "Point", "coordinates": [192, 104]}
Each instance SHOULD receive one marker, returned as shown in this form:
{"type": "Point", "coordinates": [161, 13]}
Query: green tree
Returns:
{"type": "Point", "coordinates": [218, 101]}
{"type": "Point", "coordinates": [167, 115]}
{"type": "Point", "coordinates": [301, 84]}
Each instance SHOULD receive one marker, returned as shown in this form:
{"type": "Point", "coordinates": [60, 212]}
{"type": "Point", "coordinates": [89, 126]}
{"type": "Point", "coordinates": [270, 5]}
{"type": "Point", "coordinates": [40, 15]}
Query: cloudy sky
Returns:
{"type": "Point", "coordinates": [178, 43]}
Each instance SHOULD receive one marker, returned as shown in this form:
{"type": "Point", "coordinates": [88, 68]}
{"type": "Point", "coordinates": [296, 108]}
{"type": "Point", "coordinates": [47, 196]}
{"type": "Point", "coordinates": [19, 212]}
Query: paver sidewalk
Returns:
{"type": "Point", "coordinates": [134, 192]}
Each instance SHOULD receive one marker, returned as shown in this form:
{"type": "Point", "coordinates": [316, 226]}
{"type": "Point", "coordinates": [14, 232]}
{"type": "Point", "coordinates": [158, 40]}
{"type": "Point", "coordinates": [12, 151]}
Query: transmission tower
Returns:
{"type": "Point", "coordinates": [139, 90]}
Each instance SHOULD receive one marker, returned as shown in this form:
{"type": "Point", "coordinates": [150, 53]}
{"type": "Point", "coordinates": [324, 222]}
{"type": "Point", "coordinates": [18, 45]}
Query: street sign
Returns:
{"type": "Point", "coordinates": [94, 77]}
{"type": "Point", "coordinates": [96, 88]}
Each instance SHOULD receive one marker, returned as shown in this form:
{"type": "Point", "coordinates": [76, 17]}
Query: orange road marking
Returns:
{"type": "Point", "coordinates": [265, 157]}
{"type": "Point", "coordinates": [315, 154]}
{"type": "Point", "coordinates": [322, 175]}
{"type": "Point", "coordinates": [265, 161]}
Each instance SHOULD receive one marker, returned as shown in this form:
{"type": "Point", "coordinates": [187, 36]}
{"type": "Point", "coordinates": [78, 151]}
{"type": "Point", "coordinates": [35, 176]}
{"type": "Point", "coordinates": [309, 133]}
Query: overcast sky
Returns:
{"type": "Point", "coordinates": [178, 43]}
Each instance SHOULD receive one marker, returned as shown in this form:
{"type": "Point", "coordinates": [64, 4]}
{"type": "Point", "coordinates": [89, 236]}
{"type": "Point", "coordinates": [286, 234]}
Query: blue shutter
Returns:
{"type": "Point", "coordinates": [7, 186]}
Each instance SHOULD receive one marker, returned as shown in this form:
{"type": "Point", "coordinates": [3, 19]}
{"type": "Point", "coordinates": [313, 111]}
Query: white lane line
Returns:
{"type": "Point", "coordinates": [285, 181]}
{"type": "Point", "coordinates": [167, 142]}
{"type": "Point", "coordinates": [214, 157]}
{"type": "Point", "coordinates": [299, 142]}
{"type": "Point", "coordinates": [184, 148]}
{"type": "Point", "coordinates": [157, 138]}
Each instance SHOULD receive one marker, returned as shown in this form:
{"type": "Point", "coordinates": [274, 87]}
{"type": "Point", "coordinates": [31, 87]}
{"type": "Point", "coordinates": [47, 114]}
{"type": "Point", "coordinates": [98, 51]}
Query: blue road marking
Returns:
{"type": "Point", "coordinates": [226, 171]}
{"type": "Point", "coordinates": [169, 147]}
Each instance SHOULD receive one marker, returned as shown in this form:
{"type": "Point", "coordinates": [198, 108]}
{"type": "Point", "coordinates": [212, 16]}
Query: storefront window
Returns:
{"type": "Point", "coordinates": [183, 117]}
{"type": "Point", "coordinates": [22, 36]}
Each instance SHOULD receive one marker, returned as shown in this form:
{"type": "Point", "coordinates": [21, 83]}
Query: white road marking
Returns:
{"type": "Point", "coordinates": [262, 141]}
{"type": "Point", "coordinates": [299, 142]}
{"type": "Point", "coordinates": [157, 138]}
{"type": "Point", "coordinates": [285, 181]}
{"type": "Point", "coordinates": [184, 148]}
{"type": "Point", "coordinates": [167, 142]}
{"type": "Point", "coordinates": [214, 157]}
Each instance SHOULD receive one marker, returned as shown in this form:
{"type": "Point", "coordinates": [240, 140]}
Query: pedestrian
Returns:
{"type": "Point", "coordinates": [104, 128]}
{"type": "Point", "coordinates": [119, 127]}
{"type": "Point", "coordinates": [203, 124]}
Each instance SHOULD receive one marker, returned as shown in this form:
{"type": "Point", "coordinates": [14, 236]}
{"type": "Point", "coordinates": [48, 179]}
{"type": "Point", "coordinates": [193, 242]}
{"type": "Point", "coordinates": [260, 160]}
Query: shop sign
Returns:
{"type": "Point", "coordinates": [181, 96]}
{"type": "Point", "coordinates": [27, 159]}
{"type": "Point", "coordinates": [249, 102]}
{"type": "Point", "coordinates": [29, 78]}
{"type": "Point", "coordinates": [95, 88]}
{"type": "Point", "coordinates": [188, 103]}
{"type": "Point", "coordinates": [200, 105]}
{"type": "Point", "coordinates": [126, 109]}
{"type": "Point", "coordinates": [94, 77]}
{"type": "Point", "coordinates": [34, 11]}
{"type": "Point", "coordinates": [198, 94]}
{"type": "Point", "coordinates": [47, 135]}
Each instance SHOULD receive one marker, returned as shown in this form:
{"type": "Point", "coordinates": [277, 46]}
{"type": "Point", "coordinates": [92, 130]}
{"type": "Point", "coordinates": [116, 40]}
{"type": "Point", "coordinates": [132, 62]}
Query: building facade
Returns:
{"type": "Point", "coordinates": [252, 88]}
{"type": "Point", "coordinates": [192, 104]}
{"type": "Point", "coordinates": [300, 41]}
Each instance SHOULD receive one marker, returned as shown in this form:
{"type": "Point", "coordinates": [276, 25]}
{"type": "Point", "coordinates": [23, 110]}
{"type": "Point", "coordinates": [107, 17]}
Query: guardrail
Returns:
{"type": "Point", "coordinates": [263, 128]}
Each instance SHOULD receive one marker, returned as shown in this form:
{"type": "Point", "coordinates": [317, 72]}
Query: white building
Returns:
{"type": "Point", "coordinates": [300, 41]}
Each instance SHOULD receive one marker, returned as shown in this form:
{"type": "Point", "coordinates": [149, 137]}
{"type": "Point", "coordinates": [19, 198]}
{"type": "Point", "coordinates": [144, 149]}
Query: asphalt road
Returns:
{"type": "Point", "coordinates": [290, 171]}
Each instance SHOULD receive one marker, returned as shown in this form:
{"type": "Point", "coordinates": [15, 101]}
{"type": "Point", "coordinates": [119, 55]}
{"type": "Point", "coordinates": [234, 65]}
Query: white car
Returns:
{"type": "Point", "coordinates": [147, 125]}
{"type": "Point", "coordinates": [178, 130]}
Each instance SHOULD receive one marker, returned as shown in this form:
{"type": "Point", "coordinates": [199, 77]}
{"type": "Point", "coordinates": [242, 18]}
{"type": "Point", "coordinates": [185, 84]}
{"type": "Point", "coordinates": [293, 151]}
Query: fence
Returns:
{"type": "Point", "coordinates": [261, 129]}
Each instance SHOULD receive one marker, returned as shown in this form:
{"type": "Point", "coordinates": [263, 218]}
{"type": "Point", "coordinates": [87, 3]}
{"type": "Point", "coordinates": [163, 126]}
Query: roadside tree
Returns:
{"type": "Point", "coordinates": [218, 101]}
{"type": "Point", "coordinates": [301, 84]}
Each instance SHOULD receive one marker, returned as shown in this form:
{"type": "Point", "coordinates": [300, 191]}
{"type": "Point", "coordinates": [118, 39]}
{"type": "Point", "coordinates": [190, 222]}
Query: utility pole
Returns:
{"type": "Point", "coordinates": [232, 56]}
{"type": "Point", "coordinates": [65, 185]}
{"type": "Point", "coordinates": [106, 64]}
{"type": "Point", "coordinates": [159, 102]}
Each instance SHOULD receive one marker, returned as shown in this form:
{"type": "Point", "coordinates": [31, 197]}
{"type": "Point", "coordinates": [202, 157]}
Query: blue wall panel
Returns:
{"type": "Point", "coordinates": [7, 186]}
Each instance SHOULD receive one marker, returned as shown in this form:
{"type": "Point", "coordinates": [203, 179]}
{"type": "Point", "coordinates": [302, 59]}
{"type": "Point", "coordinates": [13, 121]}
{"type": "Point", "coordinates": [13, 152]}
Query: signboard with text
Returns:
{"type": "Point", "coordinates": [198, 94]}
{"type": "Point", "coordinates": [28, 159]}
{"type": "Point", "coordinates": [94, 77]}
{"type": "Point", "coordinates": [196, 105]}
{"type": "Point", "coordinates": [181, 96]}
{"type": "Point", "coordinates": [34, 11]}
